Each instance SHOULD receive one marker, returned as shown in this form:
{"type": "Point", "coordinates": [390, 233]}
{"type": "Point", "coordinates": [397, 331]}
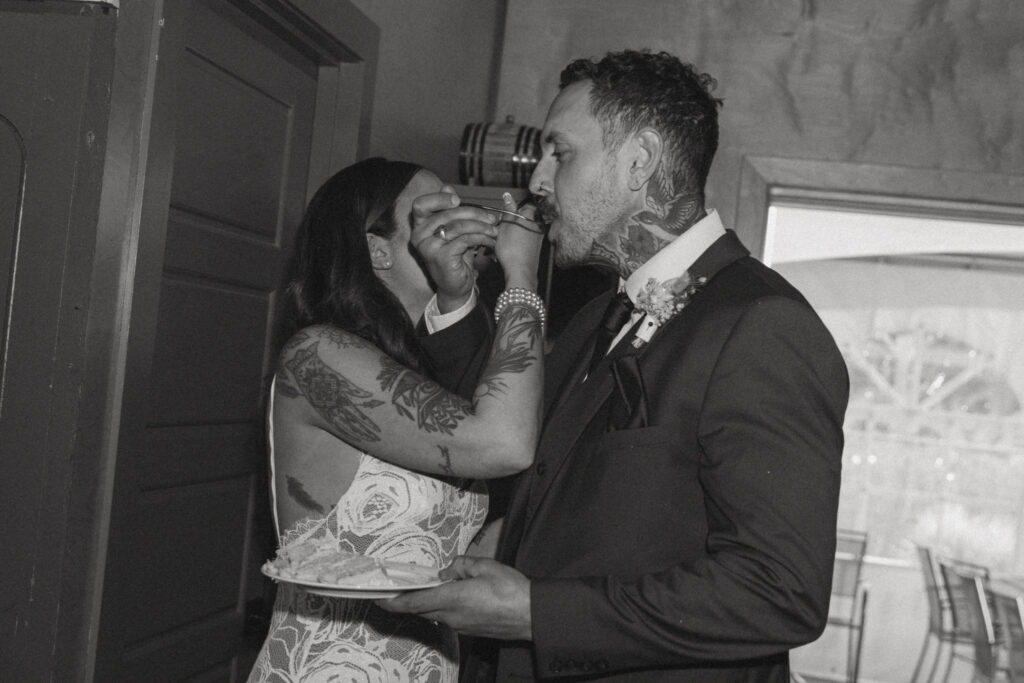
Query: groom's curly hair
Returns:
{"type": "Point", "coordinates": [634, 89]}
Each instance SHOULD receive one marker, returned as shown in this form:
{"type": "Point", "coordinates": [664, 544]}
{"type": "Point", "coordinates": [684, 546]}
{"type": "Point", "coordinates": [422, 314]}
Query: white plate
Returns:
{"type": "Point", "coordinates": [404, 578]}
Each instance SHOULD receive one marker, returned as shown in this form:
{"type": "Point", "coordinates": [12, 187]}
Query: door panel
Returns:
{"type": "Point", "coordinates": [190, 491]}
{"type": "Point", "coordinates": [202, 524]}
{"type": "Point", "coordinates": [209, 350]}
{"type": "Point", "coordinates": [233, 136]}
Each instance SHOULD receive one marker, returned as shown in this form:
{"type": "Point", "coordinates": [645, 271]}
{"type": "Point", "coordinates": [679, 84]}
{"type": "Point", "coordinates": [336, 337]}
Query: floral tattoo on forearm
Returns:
{"type": "Point", "coordinates": [432, 408]}
{"type": "Point", "coordinates": [513, 353]}
{"type": "Point", "coordinates": [333, 396]}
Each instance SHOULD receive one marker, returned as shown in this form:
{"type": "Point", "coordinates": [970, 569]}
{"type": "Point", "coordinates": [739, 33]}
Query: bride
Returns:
{"type": "Point", "coordinates": [366, 450]}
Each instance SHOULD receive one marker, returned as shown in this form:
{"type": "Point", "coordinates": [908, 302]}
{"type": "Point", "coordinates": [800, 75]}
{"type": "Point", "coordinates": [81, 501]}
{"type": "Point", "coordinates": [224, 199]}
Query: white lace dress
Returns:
{"type": "Point", "coordinates": [394, 514]}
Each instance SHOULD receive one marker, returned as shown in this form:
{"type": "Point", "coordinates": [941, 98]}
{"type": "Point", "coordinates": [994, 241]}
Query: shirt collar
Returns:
{"type": "Point", "coordinates": [678, 255]}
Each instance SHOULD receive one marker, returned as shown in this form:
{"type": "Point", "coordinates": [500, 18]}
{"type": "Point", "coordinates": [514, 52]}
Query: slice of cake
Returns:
{"type": "Point", "coordinates": [322, 561]}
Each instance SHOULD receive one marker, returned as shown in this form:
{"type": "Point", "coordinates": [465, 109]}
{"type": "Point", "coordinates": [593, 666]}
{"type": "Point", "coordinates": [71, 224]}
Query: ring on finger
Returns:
{"type": "Point", "coordinates": [440, 233]}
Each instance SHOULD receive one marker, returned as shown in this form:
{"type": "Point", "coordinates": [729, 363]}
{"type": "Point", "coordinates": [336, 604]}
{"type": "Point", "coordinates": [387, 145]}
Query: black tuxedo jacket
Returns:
{"type": "Point", "coordinates": [679, 521]}
{"type": "Point", "coordinates": [455, 363]}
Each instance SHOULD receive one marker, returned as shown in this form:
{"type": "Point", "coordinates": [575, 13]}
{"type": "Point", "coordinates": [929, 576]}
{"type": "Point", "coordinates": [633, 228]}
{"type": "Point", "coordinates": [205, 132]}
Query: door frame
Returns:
{"type": "Point", "coordinates": [130, 235]}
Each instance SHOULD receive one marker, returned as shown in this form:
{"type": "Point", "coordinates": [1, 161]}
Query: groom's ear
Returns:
{"type": "Point", "coordinates": [644, 157]}
{"type": "Point", "coordinates": [644, 150]}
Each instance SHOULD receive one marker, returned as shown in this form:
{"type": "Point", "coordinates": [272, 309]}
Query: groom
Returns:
{"type": "Point", "coordinates": [679, 521]}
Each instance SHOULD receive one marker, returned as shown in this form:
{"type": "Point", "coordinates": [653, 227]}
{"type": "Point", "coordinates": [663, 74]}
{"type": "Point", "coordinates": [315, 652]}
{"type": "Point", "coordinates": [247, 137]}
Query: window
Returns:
{"type": "Point", "coordinates": [920, 275]}
{"type": "Point", "coordinates": [929, 315]}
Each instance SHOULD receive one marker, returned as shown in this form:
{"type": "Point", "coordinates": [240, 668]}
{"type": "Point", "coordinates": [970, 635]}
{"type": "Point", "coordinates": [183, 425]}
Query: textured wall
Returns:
{"type": "Point", "coordinates": [435, 74]}
{"type": "Point", "coordinates": [927, 83]}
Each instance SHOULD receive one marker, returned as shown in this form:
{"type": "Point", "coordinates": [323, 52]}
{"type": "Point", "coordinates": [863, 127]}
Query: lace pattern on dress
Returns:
{"type": "Point", "coordinates": [394, 514]}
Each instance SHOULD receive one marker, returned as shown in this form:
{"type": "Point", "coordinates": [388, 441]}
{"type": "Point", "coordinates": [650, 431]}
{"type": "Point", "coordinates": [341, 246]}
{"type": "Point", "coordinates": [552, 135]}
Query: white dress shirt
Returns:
{"type": "Point", "coordinates": [671, 262]}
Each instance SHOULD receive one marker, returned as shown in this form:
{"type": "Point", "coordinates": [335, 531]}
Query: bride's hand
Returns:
{"type": "Point", "coordinates": [447, 236]}
{"type": "Point", "coordinates": [519, 244]}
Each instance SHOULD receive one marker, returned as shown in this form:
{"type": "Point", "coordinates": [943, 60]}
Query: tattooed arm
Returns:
{"type": "Point", "coordinates": [339, 383]}
{"type": "Point", "coordinates": [337, 395]}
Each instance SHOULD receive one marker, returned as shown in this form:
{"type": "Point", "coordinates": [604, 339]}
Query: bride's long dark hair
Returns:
{"type": "Point", "coordinates": [331, 280]}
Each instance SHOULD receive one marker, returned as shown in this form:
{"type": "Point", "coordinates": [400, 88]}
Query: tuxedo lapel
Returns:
{"type": "Point", "coordinates": [574, 377]}
{"type": "Point", "coordinates": [571, 352]}
{"type": "Point", "coordinates": [630, 411]}
{"type": "Point", "coordinates": [565, 426]}
{"type": "Point", "coordinates": [576, 408]}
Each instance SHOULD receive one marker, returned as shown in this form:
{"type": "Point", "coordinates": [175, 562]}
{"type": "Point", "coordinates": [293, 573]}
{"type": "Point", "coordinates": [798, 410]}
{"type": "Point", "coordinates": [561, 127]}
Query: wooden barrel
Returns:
{"type": "Point", "coordinates": [498, 154]}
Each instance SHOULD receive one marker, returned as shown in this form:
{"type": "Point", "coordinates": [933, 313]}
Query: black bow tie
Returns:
{"type": "Point", "coordinates": [615, 316]}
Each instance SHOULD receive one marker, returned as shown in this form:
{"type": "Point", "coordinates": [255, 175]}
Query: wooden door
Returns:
{"type": "Point", "coordinates": [233, 115]}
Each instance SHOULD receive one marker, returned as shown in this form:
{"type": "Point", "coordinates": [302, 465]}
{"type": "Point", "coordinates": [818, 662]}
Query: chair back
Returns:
{"type": "Point", "coordinates": [850, 547]}
{"type": "Point", "coordinates": [848, 605]}
{"type": "Point", "coordinates": [957, 592]}
{"type": "Point", "coordinates": [934, 591]}
{"type": "Point", "coordinates": [983, 632]}
{"type": "Point", "coordinates": [1010, 611]}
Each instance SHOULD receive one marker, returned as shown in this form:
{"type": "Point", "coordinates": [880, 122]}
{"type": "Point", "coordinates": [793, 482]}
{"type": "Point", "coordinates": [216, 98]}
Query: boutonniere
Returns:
{"type": "Point", "coordinates": [659, 301]}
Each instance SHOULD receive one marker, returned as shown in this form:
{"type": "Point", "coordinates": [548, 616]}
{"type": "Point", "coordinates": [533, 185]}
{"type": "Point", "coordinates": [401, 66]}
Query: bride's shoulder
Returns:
{"type": "Point", "coordinates": [326, 347]}
{"type": "Point", "coordinates": [325, 339]}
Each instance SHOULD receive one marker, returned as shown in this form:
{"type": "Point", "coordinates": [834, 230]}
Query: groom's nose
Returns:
{"type": "Point", "coordinates": [541, 182]}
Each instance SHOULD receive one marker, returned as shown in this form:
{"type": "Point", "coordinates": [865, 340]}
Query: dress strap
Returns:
{"type": "Point", "coordinates": [270, 447]}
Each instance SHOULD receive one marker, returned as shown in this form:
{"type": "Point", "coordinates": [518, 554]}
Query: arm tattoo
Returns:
{"type": "Point", "coordinates": [419, 399]}
{"type": "Point", "coordinates": [283, 383]}
{"type": "Point", "coordinates": [297, 340]}
{"type": "Point", "coordinates": [513, 349]}
{"type": "Point", "coordinates": [298, 493]}
{"type": "Point", "coordinates": [285, 386]}
{"type": "Point", "coordinates": [446, 461]}
{"type": "Point", "coordinates": [342, 338]}
{"type": "Point", "coordinates": [334, 397]}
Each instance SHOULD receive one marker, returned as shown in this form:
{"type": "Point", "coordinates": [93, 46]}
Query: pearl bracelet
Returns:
{"type": "Point", "coordinates": [520, 296]}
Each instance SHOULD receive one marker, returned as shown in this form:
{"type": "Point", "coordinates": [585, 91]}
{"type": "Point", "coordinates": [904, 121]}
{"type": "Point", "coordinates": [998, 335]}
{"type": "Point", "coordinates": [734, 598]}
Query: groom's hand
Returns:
{"type": "Point", "coordinates": [482, 598]}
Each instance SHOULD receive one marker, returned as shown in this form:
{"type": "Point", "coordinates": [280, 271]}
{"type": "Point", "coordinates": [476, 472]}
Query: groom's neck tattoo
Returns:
{"type": "Point", "coordinates": [668, 212]}
{"type": "Point", "coordinates": [666, 215]}
{"type": "Point", "coordinates": [604, 256]}
{"type": "Point", "coordinates": [431, 407]}
{"type": "Point", "coordinates": [637, 246]}
{"type": "Point", "coordinates": [338, 400]}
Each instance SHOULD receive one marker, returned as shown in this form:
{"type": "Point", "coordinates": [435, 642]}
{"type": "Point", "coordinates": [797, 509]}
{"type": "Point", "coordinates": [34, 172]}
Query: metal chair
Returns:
{"type": "Point", "coordinates": [1010, 611]}
{"type": "Point", "coordinates": [958, 596]}
{"type": "Point", "coordinates": [940, 618]}
{"type": "Point", "coordinates": [983, 632]}
{"type": "Point", "coordinates": [850, 595]}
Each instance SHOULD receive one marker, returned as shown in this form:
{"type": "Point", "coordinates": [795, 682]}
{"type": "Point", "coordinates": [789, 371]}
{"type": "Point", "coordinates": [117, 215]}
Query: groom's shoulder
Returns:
{"type": "Point", "coordinates": [747, 279]}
